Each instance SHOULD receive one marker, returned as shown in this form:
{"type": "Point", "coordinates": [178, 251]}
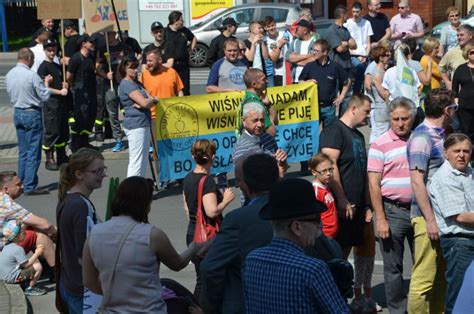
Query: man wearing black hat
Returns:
{"type": "Point", "coordinates": [280, 275]}
{"type": "Point", "coordinates": [55, 114]}
{"type": "Point", "coordinates": [71, 45]}
{"type": "Point", "coordinates": [300, 51]}
{"type": "Point", "coordinates": [82, 79]}
{"type": "Point", "coordinates": [216, 49]}
{"type": "Point", "coordinates": [158, 32]}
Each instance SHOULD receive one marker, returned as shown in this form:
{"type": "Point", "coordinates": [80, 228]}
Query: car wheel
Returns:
{"type": "Point", "coordinates": [198, 57]}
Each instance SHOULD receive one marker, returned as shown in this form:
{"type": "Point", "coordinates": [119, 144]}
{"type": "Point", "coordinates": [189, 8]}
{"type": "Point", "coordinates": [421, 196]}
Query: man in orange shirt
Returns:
{"type": "Point", "coordinates": [160, 82]}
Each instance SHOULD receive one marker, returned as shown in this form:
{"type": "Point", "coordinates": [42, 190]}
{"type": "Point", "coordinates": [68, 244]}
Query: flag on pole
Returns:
{"type": "Point", "coordinates": [407, 79]}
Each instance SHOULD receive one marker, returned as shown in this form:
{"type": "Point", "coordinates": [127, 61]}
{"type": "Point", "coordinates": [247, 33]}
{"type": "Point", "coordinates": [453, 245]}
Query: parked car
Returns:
{"type": "Point", "coordinates": [284, 15]}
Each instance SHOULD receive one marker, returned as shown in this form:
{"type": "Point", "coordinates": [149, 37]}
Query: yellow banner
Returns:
{"type": "Point", "coordinates": [181, 117]}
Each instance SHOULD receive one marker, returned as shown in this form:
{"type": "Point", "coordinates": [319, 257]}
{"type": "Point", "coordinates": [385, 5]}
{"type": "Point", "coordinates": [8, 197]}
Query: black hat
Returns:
{"type": "Point", "coordinates": [50, 43]}
{"type": "Point", "coordinates": [68, 23]}
{"type": "Point", "coordinates": [304, 23]}
{"type": "Point", "coordinates": [291, 198]}
{"type": "Point", "coordinates": [229, 21]}
{"type": "Point", "coordinates": [156, 25]}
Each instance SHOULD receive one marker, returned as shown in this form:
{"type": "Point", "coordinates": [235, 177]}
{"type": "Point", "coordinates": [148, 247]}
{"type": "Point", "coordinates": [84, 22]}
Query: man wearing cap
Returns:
{"type": "Point", "coordinates": [71, 45]}
{"type": "Point", "coordinates": [300, 51]}
{"type": "Point", "coordinates": [227, 74]}
{"type": "Point", "coordinates": [55, 114]}
{"type": "Point", "coordinates": [38, 49]}
{"type": "Point", "coordinates": [27, 93]}
{"type": "Point", "coordinates": [280, 275]}
{"type": "Point", "coordinates": [158, 33]}
{"type": "Point", "coordinates": [82, 79]}
{"type": "Point", "coordinates": [216, 49]}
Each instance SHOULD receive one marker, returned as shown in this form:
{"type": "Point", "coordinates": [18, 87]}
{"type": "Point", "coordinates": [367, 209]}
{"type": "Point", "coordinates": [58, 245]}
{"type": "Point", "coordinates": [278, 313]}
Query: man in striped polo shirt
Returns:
{"type": "Point", "coordinates": [391, 196]}
{"type": "Point", "coordinates": [425, 156]}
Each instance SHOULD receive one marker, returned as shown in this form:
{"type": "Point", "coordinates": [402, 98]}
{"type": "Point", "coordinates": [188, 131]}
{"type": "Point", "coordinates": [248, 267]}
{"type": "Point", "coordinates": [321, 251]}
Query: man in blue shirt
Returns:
{"type": "Point", "coordinates": [280, 277]}
{"type": "Point", "coordinates": [328, 75]}
{"type": "Point", "coordinates": [27, 93]}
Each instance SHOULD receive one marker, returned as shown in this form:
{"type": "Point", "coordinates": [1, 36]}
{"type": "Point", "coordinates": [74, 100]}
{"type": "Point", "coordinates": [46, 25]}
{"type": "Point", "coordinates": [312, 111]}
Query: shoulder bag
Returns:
{"type": "Point", "coordinates": [204, 231]}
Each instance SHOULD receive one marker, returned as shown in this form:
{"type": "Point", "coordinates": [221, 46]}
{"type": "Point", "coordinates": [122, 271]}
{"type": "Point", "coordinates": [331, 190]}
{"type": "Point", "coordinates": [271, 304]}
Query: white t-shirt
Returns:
{"type": "Point", "coordinates": [360, 31]}
{"type": "Point", "coordinates": [269, 41]}
{"type": "Point", "coordinates": [304, 50]}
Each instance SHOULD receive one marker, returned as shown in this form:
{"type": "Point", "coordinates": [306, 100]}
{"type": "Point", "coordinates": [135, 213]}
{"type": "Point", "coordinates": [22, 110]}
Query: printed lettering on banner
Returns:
{"type": "Point", "coordinates": [99, 15]}
{"type": "Point", "coordinates": [180, 121]}
{"type": "Point", "coordinates": [160, 5]}
{"type": "Point", "coordinates": [204, 9]}
{"type": "Point", "coordinates": [59, 9]}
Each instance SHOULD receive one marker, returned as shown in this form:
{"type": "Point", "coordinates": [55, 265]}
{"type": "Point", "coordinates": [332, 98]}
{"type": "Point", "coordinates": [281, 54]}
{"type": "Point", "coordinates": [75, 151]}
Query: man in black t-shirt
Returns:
{"type": "Point", "coordinates": [117, 50]}
{"type": "Point", "coordinates": [55, 113]}
{"type": "Point", "coordinates": [345, 145]}
{"type": "Point", "coordinates": [71, 46]}
{"type": "Point", "coordinates": [379, 22]}
{"type": "Point", "coordinates": [216, 48]}
{"type": "Point", "coordinates": [158, 32]}
{"type": "Point", "coordinates": [133, 44]}
{"type": "Point", "coordinates": [182, 40]}
{"type": "Point", "coordinates": [82, 79]}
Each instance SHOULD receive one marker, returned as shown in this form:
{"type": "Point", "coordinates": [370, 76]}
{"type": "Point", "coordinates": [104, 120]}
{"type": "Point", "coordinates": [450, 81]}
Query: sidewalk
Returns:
{"type": "Point", "coordinates": [9, 144]}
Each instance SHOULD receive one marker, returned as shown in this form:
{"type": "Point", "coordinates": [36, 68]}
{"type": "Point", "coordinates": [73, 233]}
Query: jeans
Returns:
{"type": "Point", "coordinates": [359, 70]}
{"type": "Point", "coordinates": [29, 133]}
{"type": "Point", "coordinates": [459, 253]}
{"type": "Point", "coordinates": [392, 249]}
{"type": "Point", "coordinates": [74, 303]}
{"type": "Point", "coordinates": [327, 115]}
{"type": "Point", "coordinates": [427, 285]}
{"type": "Point", "coordinates": [138, 150]}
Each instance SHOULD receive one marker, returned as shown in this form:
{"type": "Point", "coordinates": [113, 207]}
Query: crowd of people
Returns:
{"type": "Point", "coordinates": [277, 253]}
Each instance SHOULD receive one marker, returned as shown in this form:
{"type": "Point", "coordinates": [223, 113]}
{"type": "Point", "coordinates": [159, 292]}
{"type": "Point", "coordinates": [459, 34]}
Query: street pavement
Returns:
{"type": "Point", "coordinates": [167, 211]}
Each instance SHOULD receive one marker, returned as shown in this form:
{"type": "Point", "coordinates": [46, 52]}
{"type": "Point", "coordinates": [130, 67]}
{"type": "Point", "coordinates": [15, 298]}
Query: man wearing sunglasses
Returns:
{"type": "Point", "coordinates": [425, 156]}
{"type": "Point", "coordinates": [405, 24]}
{"type": "Point", "coordinates": [280, 275]}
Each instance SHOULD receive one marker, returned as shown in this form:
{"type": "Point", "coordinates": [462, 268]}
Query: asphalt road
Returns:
{"type": "Point", "coordinates": [167, 211]}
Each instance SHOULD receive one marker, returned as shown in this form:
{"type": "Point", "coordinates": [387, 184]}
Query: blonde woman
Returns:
{"type": "Point", "coordinates": [76, 216]}
{"type": "Point", "coordinates": [429, 63]}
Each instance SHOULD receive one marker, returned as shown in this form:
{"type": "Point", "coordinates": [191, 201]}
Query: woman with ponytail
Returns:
{"type": "Point", "coordinates": [213, 201]}
{"type": "Point", "coordinates": [76, 216]}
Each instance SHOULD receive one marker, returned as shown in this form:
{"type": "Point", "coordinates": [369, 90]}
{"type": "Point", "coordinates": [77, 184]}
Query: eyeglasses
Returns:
{"type": "Point", "coordinates": [325, 171]}
{"type": "Point", "coordinates": [454, 15]}
{"type": "Point", "coordinates": [401, 8]}
{"type": "Point", "coordinates": [99, 171]}
{"type": "Point", "coordinates": [453, 106]}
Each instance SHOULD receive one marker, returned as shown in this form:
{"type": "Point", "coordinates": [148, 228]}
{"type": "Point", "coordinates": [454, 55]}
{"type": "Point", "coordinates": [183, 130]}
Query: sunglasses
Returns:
{"type": "Point", "coordinates": [401, 8]}
{"type": "Point", "coordinates": [454, 15]}
{"type": "Point", "coordinates": [471, 52]}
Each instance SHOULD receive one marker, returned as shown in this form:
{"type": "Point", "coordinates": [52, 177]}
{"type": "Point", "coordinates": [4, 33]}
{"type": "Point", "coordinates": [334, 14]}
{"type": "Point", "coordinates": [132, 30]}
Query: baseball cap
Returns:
{"type": "Point", "coordinates": [229, 21]}
{"type": "Point", "coordinates": [50, 43]}
{"type": "Point", "coordinates": [156, 25]}
{"type": "Point", "coordinates": [304, 23]}
{"type": "Point", "coordinates": [85, 38]}
{"type": "Point", "coordinates": [10, 230]}
{"type": "Point", "coordinates": [291, 198]}
{"type": "Point", "coordinates": [68, 23]}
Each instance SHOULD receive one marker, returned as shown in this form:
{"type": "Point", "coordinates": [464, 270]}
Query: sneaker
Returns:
{"type": "Point", "coordinates": [37, 191]}
{"type": "Point", "coordinates": [357, 306]}
{"type": "Point", "coordinates": [118, 146]}
{"type": "Point", "coordinates": [34, 291]}
{"type": "Point", "coordinates": [99, 137]}
{"type": "Point", "coordinates": [370, 306]}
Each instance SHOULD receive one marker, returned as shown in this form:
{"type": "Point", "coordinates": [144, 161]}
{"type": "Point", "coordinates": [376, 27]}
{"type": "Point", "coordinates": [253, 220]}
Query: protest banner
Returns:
{"type": "Point", "coordinates": [99, 15]}
{"type": "Point", "coordinates": [180, 121]}
{"type": "Point", "coordinates": [205, 9]}
{"type": "Point", "coordinates": [59, 9]}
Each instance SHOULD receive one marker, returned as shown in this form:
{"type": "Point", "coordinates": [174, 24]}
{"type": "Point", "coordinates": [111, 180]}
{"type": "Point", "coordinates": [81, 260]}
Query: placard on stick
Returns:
{"type": "Point", "coordinates": [99, 15]}
{"type": "Point", "coordinates": [59, 9]}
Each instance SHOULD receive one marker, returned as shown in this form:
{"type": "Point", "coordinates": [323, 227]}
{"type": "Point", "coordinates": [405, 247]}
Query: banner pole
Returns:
{"type": "Point", "coordinates": [117, 21]}
{"type": "Point", "coordinates": [62, 50]}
